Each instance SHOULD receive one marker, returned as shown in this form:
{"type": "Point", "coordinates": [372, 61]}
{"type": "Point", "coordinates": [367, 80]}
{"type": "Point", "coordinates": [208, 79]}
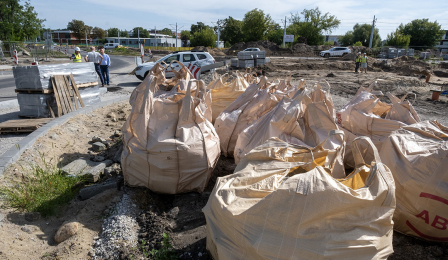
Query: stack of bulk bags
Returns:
{"type": "Point", "coordinates": [366, 115]}
{"type": "Point", "coordinates": [169, 144]}
{"type": "Point", "coordinates": [418, 158]}
{"type": "Point", "coordinates": [257, 100]}
{"type": "Point", "coordinates": [224, 93]}
{"type": "Point", "coordinates": [305, 119]}
{"type": "Point", "coordinates": [282, 202]}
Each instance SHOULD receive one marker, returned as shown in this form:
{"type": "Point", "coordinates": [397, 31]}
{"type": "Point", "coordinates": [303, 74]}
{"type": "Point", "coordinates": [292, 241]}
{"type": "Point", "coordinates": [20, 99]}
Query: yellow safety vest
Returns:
{"type": "Point", "coordinates": [358, 59]}
{"type": "Point", "coordinates": [77, 57]}
{"type": "Point", "coordinates": [364, 59]}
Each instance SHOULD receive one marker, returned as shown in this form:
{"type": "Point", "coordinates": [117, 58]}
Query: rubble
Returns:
{"type": "Point", "coordinates": [84, 167]}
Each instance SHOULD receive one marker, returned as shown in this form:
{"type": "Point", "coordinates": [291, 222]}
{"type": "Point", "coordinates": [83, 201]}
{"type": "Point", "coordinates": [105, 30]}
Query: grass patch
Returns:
{"type": "Point", "coordinates": [41, 190]}
{"type": "Point", "coordinates": [166, 252]}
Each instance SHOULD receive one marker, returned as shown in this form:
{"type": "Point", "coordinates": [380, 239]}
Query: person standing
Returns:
{"type": "Point", "coordinates": [364, 63]}
{"type": "Point", "coordinates": [104, 66]}
{"type": "Point", "coordinates": [96, 58]}
{"type": "Point", "coordinates": [76, 57]}
{"type": "Point", "coordinates": [357, 62]}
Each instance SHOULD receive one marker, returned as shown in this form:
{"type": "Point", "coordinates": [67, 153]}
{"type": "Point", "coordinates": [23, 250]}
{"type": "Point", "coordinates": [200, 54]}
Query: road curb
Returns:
{"type": "Point", "coordinates": [13, 154]}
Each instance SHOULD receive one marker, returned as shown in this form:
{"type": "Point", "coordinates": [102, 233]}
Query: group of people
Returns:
{"type": "Point", "coordinates": [361, 62]}
{"type": "Point", "coordinates": [101, 61]}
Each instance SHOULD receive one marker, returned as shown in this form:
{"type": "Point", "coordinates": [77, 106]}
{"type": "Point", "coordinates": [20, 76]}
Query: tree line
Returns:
{"type": "Point", "coordinates": [20, 22]}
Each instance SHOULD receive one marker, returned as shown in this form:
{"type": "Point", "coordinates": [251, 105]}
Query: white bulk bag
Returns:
{"type": "Point", "coordinates": [366, 115]}
{"type": "Point", "coordinates": [224, 93]}
{"type": "Point", "coordinates": [257, 100]}
{"type": "Point", "coordinates": [169, 144]}
{"type": "Point", "coordinates": [299, 121]}
{"type": "Point", "coordinates": [282, 203]}
{"type": "Point", "coordinates": [417, 155]}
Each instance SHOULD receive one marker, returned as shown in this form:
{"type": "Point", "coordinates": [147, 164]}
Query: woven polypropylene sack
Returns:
{"type": "Point", "coordinates": [257, 100]}
{"type": "Point", "coordinates": [224, 93]}
{"type": "Point", "coordinates": [281, 203]}
{"type": "Point", "coordinates": [169, 144]}
{"type": "Point", "coordinates": [366, 115]}
{"type": "Point", "coordinates": [299, 120]}
{"type": "Point", "coordinates": [418, 158]}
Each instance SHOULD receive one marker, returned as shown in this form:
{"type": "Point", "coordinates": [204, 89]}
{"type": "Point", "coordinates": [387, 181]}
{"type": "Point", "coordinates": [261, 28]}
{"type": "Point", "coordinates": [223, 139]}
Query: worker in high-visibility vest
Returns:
{"type": "Point", "coordinates": [76, 57]}
{"type": "Point", "coordinates": [357, 62]}
{"type": "Point", "coordinates": [364, 63]}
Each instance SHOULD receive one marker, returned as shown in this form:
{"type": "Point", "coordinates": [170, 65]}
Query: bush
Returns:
{"type": "Point", "coordinates": [358, 43]}
{"type": "Point", "coordinates": [329, 43]}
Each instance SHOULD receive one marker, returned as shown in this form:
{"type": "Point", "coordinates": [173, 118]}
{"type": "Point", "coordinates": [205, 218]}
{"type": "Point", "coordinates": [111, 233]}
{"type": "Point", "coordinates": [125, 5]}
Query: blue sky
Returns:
{"type": "Point", "coordinates": [127, 14]}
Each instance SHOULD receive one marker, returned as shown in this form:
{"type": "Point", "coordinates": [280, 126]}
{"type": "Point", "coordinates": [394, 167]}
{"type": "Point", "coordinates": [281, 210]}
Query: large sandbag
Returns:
{"type": "Point", "coordinates": [417, 155]}
{"type": "Point", "coordinates": [304, 120]}
{"type": "Point", "coordinates": [224, 93]}
{"type": "Point", "coordinates": [282, 203]}
{"type": "Point", "coordinates": [257, 100]}
{"type": "Point", "coordinates": [169, 144]}
{"type": "Point", "coordinates": [366, 115]}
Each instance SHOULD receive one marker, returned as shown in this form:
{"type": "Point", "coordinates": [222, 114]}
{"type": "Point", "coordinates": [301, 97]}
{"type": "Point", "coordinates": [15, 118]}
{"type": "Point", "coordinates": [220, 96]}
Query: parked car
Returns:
{"type": "Point", "coordinates": [336, 51]}
{"type": "Point", "coordinates": [111, 45]}
{"type": "Point", "coordinates": [200, 58]}
{"type": "Point", "coordinates": [252, 49]}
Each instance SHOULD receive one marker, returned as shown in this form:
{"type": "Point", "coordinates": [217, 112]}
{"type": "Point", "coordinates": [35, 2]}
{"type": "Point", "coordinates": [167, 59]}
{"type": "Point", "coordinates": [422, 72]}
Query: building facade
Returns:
{"type": "Point", "coordinates": [155, 40]}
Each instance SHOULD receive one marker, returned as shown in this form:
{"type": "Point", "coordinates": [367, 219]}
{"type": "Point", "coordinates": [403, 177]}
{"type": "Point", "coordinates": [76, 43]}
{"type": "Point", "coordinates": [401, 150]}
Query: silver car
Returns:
{"type": "Point", "coordinates": [200, 58]}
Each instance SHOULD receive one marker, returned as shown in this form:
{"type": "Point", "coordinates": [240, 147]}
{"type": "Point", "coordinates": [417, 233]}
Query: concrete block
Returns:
{"type": "Point", "coordinates": [85, 167]}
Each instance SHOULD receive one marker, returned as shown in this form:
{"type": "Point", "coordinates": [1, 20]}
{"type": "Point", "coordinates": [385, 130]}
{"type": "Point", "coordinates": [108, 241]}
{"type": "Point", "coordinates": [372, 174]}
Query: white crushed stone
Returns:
{"type": "Point", "coordinates": [119, 229]}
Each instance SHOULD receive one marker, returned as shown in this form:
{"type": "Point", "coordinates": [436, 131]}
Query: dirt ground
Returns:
{"type": "Point", "coordinates": [180, 216]}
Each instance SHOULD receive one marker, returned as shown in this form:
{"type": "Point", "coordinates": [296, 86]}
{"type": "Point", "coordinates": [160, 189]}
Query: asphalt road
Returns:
{"type": "Point", "coordinates": [120, 65]}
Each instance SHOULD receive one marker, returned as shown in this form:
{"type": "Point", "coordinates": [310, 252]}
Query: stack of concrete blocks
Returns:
{"type": "Point", "coordinates": [248, 59]}
{"type": "Point", "coordinates": [401, 52]}
{"type": "Point", "coordinates": [445, 56]}
{"type": "Point", "coordinates": [410, 52]}
{"type": "Point", "coordinates": [425, 55]}
{"type": "Point", "coordinates": [38, 78]}
{"type": "Point", "coordinates": [392, 53]}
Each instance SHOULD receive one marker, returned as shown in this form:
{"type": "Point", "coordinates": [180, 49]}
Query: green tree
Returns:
{"type": "Point", "coordinates": [312, 24]}
{"type": "Point", "coordinates": [98, 33]}
{"type": "Point", "coordinates": [166, 31]}
{"type": "Point", "coordinates": [139, 31]}
{"type": "Point", "coordinates": [361, 33]}
{"type": "Point", "coordinates": [424, 34]}
{"type": "Point", "coordinates": [79, 29]}
{"type": "Point", "coordinates": [185, 36]}
{"type": "Point", "coordinates": [232, 31]}
{"type": "Point", "coordinates": [256, 25]}
{"type": "Point", "coordinates": [398, 39]}
{"type": "Point", "coordinates": [347, 39]}
{"type": "Point", "coordinates": [18, 22]}
{"type": "Point", "coordinates": [112, 32]}
{"type": "Point", "coordinates": [124, 34]}
{"type": "Point", "coordinates": [197, 27]}
{"type": "Point", "coordinates": [275, 34]}
{"type": "Point", "coordinates": [205, 37]}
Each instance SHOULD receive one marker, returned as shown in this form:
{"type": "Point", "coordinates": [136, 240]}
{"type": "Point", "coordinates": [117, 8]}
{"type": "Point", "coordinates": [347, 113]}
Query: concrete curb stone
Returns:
{"type": "Point", "coordinates": [13, 154]}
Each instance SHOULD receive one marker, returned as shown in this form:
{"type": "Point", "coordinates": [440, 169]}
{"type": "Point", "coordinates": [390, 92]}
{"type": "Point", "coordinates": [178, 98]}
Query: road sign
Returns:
{"type": "Point", "coordinates": [289, 38]}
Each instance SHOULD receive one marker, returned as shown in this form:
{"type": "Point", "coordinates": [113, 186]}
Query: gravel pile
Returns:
{"type": "Point", "coordinates": [119, 230]}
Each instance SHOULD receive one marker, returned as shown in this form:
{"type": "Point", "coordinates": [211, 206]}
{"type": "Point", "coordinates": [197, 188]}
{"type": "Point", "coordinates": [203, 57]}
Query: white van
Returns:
{"type": "Point", "coordinates": [110, 45]}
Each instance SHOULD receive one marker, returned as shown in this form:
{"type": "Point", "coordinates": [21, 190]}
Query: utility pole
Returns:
{"type": "Point", "coordinates": [176, 32]}
{"type": "Point", "coordinates": [371, 33]}
{"type": "Point", "coordinates": [86, 40]}
{"type": "Point", "coordinates": [284, 33]}
{"type": "Point", "coordinates": [219, 23]}
{"type": "Point", "coordinates": [138, 35]}
{"type": "Point", "coordinates": [155, 34]}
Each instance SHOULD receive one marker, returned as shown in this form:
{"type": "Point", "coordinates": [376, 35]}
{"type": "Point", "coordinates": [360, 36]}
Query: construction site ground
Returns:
{"type": "Point", "coordinates": [180, 216]}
